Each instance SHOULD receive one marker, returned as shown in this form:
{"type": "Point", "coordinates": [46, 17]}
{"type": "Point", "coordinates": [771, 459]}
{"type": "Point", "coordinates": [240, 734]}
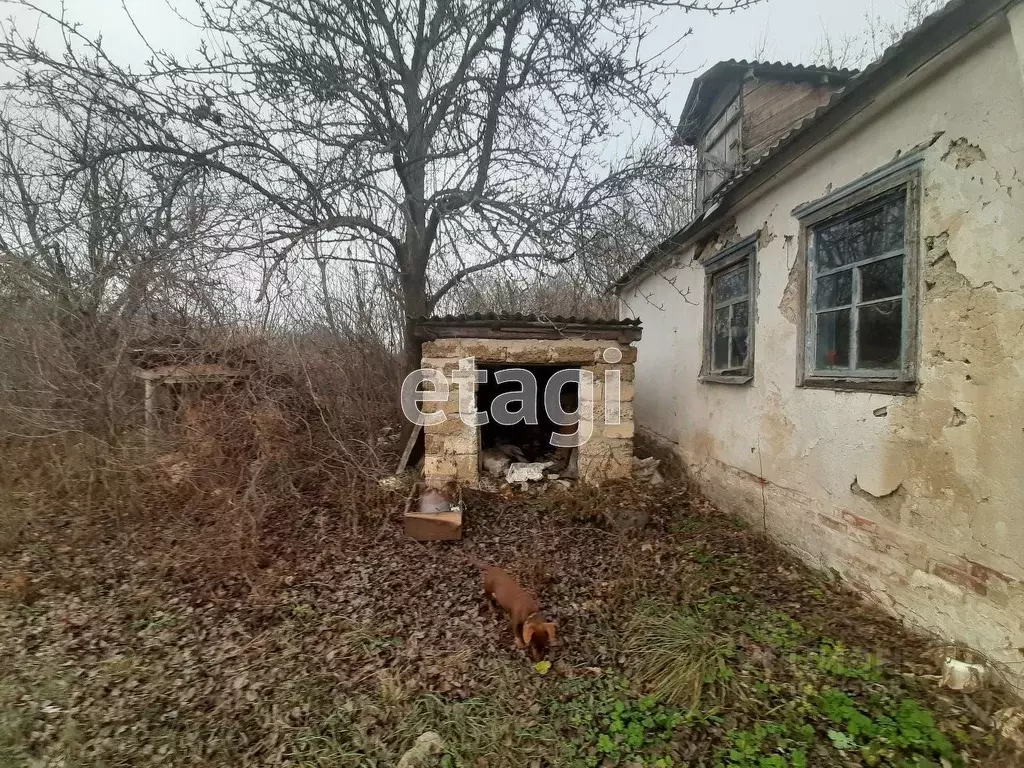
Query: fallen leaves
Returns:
{"type": "Point", "coordinates": [344, 649]}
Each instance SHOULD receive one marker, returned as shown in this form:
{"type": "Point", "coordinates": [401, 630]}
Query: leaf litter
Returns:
{"type": "Point", "coordinates": [344, 648]}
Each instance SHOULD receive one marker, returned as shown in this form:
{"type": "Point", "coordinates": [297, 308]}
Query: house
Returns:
{"type": "Point", "coordinates": [835, 344]}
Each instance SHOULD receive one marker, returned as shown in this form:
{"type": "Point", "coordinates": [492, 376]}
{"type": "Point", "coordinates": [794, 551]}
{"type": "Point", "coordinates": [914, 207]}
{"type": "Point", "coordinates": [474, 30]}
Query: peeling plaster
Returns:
{"type": "Point", "coordinates": [959, 418]}
{"type": "Point", "coordinates": [963, 153]}
{"type": "Point", "coordinates": [728, 234]}
{"type": "Point", "coordinates": [790, 306]}
{"type": "Point", "coordinates": [874, 495]}
{"type": "Point", "coordinates": [918, 495]}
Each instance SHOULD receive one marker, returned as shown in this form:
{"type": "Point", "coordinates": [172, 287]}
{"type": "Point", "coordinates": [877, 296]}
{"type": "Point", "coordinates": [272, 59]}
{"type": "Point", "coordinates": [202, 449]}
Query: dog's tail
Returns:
{"type": "Point", "coordinates": [477, 562]}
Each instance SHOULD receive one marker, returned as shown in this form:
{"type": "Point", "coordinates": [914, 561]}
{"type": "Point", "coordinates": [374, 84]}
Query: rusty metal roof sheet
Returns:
{"type": "Point", "coordinates": [514, 325]}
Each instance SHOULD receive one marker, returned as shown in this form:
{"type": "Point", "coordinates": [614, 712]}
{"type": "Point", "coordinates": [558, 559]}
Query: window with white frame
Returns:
{"type": "Point", "coordinates": [729, 315]}
{"type": "Point", "coordinates": [861, 288]}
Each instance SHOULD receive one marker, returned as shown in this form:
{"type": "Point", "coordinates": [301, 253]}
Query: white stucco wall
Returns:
{"type": "Point", "coordinates": [934, 526]}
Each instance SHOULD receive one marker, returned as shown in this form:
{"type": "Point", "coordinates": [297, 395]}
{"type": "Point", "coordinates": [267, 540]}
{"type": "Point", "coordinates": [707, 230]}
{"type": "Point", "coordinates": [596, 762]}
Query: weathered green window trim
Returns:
{"type": "Point", "coordinates": [742, 255]}
{"type": "Point", "coordinates": [901, 177]}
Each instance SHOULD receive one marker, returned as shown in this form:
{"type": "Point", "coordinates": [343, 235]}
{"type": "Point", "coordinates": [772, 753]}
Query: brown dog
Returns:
{"type": "Point", "coordinates": [531, 628]}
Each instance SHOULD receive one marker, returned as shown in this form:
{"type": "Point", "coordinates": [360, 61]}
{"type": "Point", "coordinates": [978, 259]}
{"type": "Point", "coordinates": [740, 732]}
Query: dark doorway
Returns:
{"type": "Point", "coordinates": [532, 440]}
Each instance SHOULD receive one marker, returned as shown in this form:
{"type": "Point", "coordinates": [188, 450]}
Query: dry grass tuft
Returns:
{"type": "Point", "coordinates": [679, 658]}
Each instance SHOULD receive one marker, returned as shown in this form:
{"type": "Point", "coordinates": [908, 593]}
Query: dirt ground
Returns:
{"type": "Point", "coordinates": [693, 641]}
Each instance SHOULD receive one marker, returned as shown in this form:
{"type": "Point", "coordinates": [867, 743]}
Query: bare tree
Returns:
{"type": "Point", "coordinates": [857, 49]}
{"type": "Point", "coordinates": [105, 242]}
{"type": "Point", "coordinates": [86, 256]}
{"type": "Point", "coordinates": [616, 235]}
{"type": "Point", "coordinates": [429, 139]}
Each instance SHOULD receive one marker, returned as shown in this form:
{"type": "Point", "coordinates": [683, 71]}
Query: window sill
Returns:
{"type": "Point", "coordinates": [721, 378]}
{"type": "Point", "coordinates": [883, 386]}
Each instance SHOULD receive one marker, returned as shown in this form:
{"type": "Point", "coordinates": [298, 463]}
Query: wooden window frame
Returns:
{"type": "Point", "coordinates": [714, 266]}
{"type": "Point", "coordinates": [885, 182]}
{"type": "Point", "coordinates": [706, 141]}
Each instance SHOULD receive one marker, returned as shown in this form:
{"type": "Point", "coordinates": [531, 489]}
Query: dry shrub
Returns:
{"type": "Point", "coordinates": [240, 472]}
{"type": "Point", "coordinates": [291, 451]}
{"type": "Point", "coordinates": [632, 503]}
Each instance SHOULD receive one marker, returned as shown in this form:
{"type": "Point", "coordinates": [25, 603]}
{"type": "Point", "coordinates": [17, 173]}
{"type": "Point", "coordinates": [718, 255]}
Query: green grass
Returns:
{"type": "Point", "coordinates": [604, 720]}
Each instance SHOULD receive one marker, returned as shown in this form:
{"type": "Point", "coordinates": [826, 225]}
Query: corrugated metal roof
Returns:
{"type": "Point", "coordinates": [528, 319]}
{"type": "Point", "coordinates": [871, 74]}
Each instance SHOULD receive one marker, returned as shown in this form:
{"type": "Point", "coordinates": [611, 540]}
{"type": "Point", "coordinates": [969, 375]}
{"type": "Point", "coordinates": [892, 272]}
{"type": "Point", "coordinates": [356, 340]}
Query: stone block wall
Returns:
{"type": "Point", "coordinates": [453, 447]}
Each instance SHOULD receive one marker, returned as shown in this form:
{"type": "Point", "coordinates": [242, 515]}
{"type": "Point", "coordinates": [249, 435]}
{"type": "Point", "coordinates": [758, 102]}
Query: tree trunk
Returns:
{"type": "Point", "coordinates": [414, 300]}
{"type": "Point", "coordinates": [414, 305]}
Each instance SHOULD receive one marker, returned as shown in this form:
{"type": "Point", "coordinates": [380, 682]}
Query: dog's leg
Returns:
{"type": "Point", "coordinates": [517, 630]}
{"type": "Point", "coordinates": [492, 604]}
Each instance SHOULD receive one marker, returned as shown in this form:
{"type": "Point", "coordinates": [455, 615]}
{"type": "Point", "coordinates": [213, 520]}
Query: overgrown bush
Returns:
{"type": "Point", "coordinates": [294, 448]}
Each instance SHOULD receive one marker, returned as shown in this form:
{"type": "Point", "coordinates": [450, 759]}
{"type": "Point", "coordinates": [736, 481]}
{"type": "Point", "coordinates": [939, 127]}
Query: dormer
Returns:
{"type": "Point", "coordinates": [737, 110]}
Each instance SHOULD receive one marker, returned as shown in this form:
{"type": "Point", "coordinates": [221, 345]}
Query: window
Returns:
{"type": "Point", "coordinates": [720, 151]}
{"type": "Point", "coordinates": [729, 315]}
{"type": "Point", "coordinates": [860, 251]}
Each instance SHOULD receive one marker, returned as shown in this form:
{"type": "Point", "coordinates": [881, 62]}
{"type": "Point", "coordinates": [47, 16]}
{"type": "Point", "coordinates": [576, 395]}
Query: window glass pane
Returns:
{"type": "Point", "coordinates": [833, 340]}
{"type": "Point", "coordinates": [877, 230]}
{"type": "Point", "coordinates": [720, 343]}
{"type": "Point", "coordinates": [834, 290]}
{"type": "Point", "coordinates": [881, 279]}
{"type": "Point", "coordinates": [894, 223]}
{"type": "Point", "coordinates": [733, 284]}
{"type": "Point", "coordinates": [740, 332]}
{"type": "Point", "coordinates": [837, 245]}
{"type": "Point", "coordinates": [880, 333]}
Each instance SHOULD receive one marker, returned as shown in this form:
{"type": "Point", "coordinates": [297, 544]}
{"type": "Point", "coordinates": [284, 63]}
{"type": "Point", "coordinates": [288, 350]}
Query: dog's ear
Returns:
{"type": "Point", "coordinates": [550, 627]}
{"type": "Point", "coordinates": [527, 633]}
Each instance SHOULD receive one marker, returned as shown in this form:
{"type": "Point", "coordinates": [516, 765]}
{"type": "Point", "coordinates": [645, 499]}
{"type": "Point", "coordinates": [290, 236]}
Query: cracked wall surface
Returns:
{"type": "Point", "coordinates": [918, 500]}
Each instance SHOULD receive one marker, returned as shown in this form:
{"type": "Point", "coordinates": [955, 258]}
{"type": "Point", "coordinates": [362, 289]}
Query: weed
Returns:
{"type": "Point", "coordinates": [702, 557]}
{"type": "Point", "coordinates": [327, 742]}
{"type": "Point", "coordinates": [886, 730]}
{"type": "Point", "coordinates": [881, 731]}
{"type": "Point", "coordinates": [777, 629]}
{"type": "Point", "coordinates": [613, 725]}
{"type": "Point", "coordinates": [15, 728]}
{"type": "Point", "coordinates": [835, 659]}
{"type": "Point", "coordinates": [480, 727]}
{"type": "Point", "coordinates": [768, 745]}
{"type": "Point", "coordinates": [303, 612]}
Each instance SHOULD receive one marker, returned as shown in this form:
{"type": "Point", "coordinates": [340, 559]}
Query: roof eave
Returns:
{"type": "Point", "coordinates": [934, 35]}
{"type": "Point", "coordinates": [690, 134]}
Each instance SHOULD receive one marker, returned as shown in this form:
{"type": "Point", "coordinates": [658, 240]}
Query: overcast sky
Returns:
{"type": "Point", "coordinates": [786, 30]}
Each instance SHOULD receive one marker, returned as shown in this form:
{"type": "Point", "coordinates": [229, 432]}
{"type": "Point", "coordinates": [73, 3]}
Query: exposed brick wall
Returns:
{"type": "Point", "coordinates": [912, 577]}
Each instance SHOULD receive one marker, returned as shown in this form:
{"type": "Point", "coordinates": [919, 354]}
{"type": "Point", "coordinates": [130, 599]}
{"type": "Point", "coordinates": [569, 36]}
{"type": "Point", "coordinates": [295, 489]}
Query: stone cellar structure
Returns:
{"type": "Point", "coordinates": [458, 346]}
